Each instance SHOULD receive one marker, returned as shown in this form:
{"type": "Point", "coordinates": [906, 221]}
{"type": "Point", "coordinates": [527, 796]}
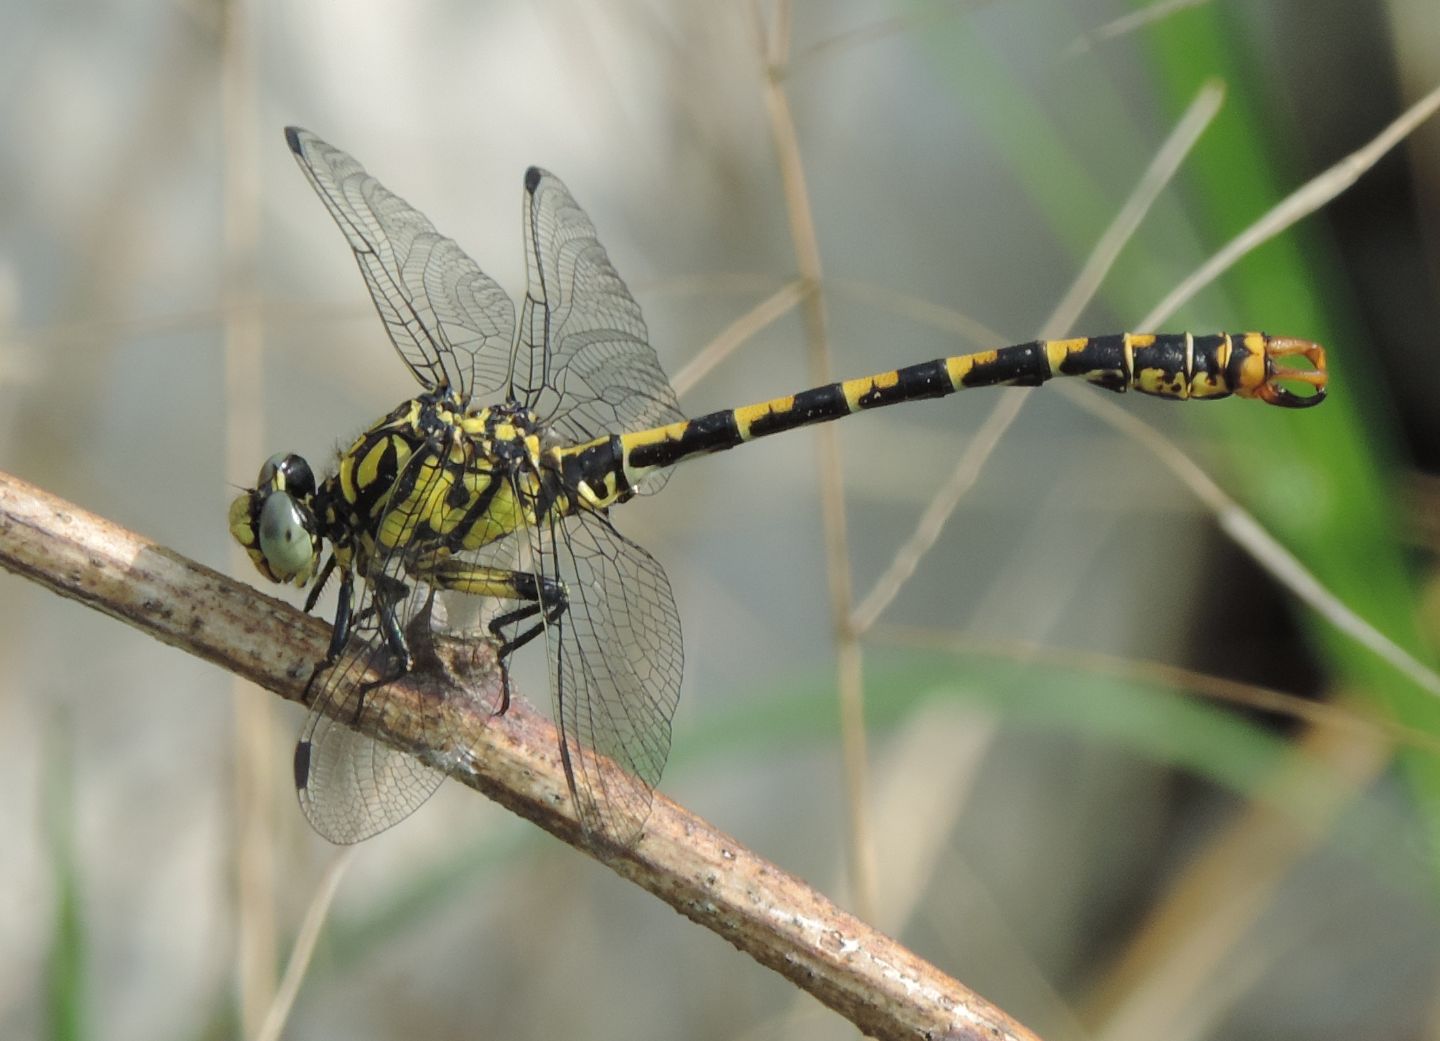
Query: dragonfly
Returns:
{"type": "Point", "coordinates": [511, 500]}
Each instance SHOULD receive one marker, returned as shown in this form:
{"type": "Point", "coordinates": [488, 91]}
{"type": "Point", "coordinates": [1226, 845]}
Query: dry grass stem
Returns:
{"type": "Point", "coordinates": [1296, 206]}
{"type": "Point", "coordinates": [1092, 273]}
{"type": "Point", "coordinates": [273, 1025]}
{"type": "Point", "coordinates": [1157, 177]}
{"type": "Point", "coordinates": [763, 314]}
{"type": "Point", "coordinates": [1176, 969]}
{"type": "Point", "coordinates": [1130, 23]}
{"type": "Point", "coordinates": [775, 46]}
{"type": "Point", "coordinates": [937, 513]}
{"type": "Point", "coordinates": [1242, 527]}
{"type": "Point", "coordinates": [918, 309]}
{"type": "Point", "coordinates": [257, 945]}
{"type": "Point", "coordinates": [1162, 674]}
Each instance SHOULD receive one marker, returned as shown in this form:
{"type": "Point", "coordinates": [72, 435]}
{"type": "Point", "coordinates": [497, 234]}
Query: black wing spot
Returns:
{"type": "Point", "coordinates": [302, 765]}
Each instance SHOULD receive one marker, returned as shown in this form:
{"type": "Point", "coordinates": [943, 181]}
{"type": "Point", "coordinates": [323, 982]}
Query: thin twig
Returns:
{"type": "Point", "coordinates": [881, 987]}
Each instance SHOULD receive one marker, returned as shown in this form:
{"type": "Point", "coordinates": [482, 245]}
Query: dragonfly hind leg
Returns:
{"type": "Point", "coordinates": [541, 596]}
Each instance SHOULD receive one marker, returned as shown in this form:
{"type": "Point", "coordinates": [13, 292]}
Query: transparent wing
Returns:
{"type": "Point", "coordinates": [616, 660]}
{"type": "Point", "coordinates": [584, 363]}
{"type": "Point", "coordinates": [450, 322]}
{"type": "Point", "coordinates": [350, 786]}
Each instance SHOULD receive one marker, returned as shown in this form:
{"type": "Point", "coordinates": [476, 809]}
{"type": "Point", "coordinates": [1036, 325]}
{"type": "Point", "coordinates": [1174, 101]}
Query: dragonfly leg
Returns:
{"type": "Point", "coordinates": [386, 594]}
{"type": "Point", "coordinates": [320, 581]}
{"type": "Point", "coordinates": [544, 597]}
{"type": "Point", "coordinates": [339, 632]}
{"type": "Point", "coordinates": [551, 602]}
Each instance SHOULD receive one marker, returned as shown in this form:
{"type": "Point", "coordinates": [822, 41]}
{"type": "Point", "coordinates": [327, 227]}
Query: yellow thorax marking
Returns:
{"type": "Point", "coordinates": [370, 465]}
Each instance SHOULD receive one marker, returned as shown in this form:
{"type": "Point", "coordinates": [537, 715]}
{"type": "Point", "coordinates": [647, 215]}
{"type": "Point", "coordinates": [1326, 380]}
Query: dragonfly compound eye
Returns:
{"type": "Point", "coordinates": [287, 539]}
{"type": "Point", "coordinates": [285, 472]}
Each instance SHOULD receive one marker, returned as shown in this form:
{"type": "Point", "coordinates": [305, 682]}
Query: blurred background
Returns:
{"type": "Point", "coordinates": [1087, 799]}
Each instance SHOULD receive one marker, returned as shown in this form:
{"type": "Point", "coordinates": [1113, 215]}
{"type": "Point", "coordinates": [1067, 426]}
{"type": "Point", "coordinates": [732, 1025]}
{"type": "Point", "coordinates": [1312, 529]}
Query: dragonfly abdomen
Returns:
{"type": "Point", "coordinates": [1171, 365]}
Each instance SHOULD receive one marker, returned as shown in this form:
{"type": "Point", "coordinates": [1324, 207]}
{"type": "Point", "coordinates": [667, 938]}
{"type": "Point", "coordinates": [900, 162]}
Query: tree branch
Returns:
{"type": "Point", "coordinates": [777, 919]}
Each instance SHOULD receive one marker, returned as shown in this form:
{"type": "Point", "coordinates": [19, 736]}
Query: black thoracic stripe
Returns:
{"type": "Point", "coordinates": [404, 488]}
{"type": "Point", "coordinates": [478, 506]}
{"type": "Point", "coordinates": [930, 379]}
{"type": "Point", "coordinates": [711, 433]}
{"type": "Point", "coordinates": [404, 485]}
{"type": "Point", "coordinates": [547, 491]}
{"type": "Point", "coordinates": [368, 495]}
{"type": "Point", "coordinates": [457, 494]}
{"type": "Point", "coordinates": [1023, 365]}
{"type": "Point", "coordinates": [385, 469]}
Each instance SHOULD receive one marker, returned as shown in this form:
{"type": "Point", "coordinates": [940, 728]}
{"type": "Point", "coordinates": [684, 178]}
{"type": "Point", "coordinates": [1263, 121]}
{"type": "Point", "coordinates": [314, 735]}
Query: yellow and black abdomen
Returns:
{"type": "Point", "coordinates": [1168, 365]}
{"type": "Point", "coordinates": [1171, 365]}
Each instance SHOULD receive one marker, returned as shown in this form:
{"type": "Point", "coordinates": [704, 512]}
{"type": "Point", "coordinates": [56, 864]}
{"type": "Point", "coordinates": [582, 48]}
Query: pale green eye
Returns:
{"type": "Point", "coordinates": [284, 539]}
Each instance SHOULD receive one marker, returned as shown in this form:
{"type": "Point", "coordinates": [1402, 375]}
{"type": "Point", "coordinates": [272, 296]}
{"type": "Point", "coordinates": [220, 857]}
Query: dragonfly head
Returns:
{"type": "Point", "coordinates": [275, 521]}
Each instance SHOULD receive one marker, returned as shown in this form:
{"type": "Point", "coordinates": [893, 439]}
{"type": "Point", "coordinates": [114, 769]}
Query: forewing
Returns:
{"type": "Point", "coordinates": [616, 662]}
{"type": "Point", "coordinates": [584, 351]}
{"type": "Point", "coordinates": [450, 322]}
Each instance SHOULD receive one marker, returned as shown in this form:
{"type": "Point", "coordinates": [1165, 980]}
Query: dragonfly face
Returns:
{"type": "Point", "coordinates": [276, 521]}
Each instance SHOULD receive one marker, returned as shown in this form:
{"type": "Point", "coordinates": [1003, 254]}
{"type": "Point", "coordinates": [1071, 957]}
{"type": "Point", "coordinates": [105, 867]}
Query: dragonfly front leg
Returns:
{"type": "Point", "coordinates": [339, 632]}
{"type": "Point", "coordinates": [544, 597]}
{"type": "Point", "coordinates": [385, 594]}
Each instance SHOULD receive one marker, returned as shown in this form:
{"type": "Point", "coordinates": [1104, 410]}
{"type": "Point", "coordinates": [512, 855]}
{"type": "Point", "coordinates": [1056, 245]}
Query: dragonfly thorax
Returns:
{"type": "Point", "coordinates": [511, 434]}
{"type": "Point", "coordinates": [452, 480]}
